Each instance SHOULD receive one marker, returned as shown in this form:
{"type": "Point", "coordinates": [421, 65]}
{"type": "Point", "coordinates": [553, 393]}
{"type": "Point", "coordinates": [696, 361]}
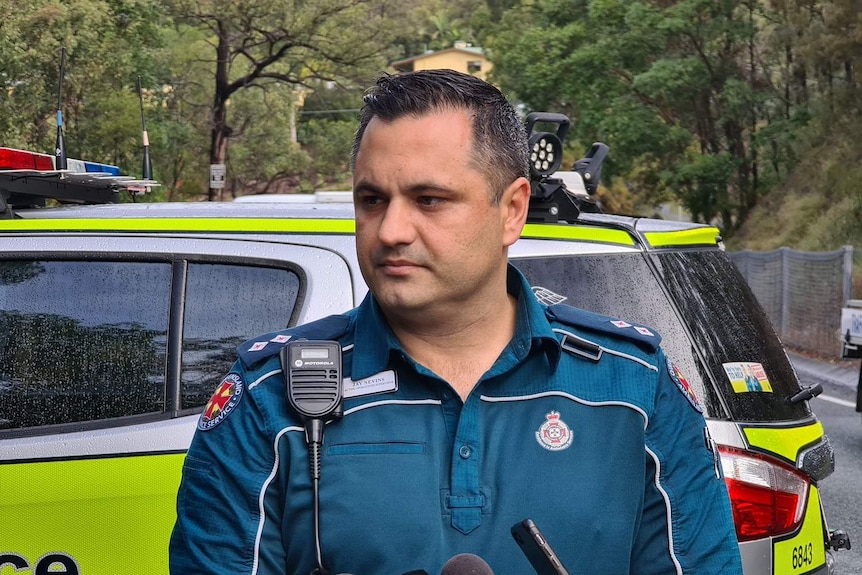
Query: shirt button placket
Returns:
{"type": "Point", "coordinates": [466, 500]}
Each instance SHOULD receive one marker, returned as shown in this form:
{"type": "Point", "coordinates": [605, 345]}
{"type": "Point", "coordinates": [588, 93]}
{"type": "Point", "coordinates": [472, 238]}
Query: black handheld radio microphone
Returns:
{"type": "Point", "coordinates": [313, 382]}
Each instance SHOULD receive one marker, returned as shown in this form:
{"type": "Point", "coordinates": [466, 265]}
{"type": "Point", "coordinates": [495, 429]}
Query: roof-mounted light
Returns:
{"type": "Point", "coordinates": [546, 148]}
{"type": "Point", "coordinates": [546, 153]}
{"type": "Point", "coordinates": [12, 159]}
{"type": "Point", "coordinates": [28, 179]}
{"type": "Point", "coordinates": [555, 195]}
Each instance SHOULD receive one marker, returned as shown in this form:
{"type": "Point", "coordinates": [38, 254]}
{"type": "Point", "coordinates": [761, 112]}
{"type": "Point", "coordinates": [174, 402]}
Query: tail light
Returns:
{"type": "Point", "coordinates": [767, 497]}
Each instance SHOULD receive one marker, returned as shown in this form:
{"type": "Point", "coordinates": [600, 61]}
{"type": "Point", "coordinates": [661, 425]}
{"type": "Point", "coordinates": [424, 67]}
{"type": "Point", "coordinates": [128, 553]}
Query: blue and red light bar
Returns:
{"type": "Point", "coordinates": [12, 159]}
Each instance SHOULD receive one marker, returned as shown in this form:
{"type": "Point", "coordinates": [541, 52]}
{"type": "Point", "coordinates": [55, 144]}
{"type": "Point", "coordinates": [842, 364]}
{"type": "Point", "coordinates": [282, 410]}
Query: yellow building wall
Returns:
{"type": "Point", "coordinates": [454, 60]}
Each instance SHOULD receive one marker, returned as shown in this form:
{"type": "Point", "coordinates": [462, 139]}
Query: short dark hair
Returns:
{"type": "Point", "coordinates": [498, 133]}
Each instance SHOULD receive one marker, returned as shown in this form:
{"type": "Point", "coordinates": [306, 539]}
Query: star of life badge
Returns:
{"type": "Point", "coordinates": [683, 385]}
{"type": "Point", "coordinates": [223, 402]}
{"type": "Point", "coordinates": [554, 434]}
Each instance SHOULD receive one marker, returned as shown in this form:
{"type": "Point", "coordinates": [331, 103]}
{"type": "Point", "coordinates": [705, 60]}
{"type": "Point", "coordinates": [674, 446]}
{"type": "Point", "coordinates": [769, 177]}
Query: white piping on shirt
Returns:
{"type": "Point", "coordinates": [393, 402]}
{"type": "Point", "coordinates": [277, 460]}
{"type": "Point", "coordinates": [574, 398]}
{"type": "Point", "coordinates": [261, 496]}
{"type": "Point", "coordinates": [655, 458]}
{"type": "Point", "coordinates": [255, 383]}
{"type": "Point", "coordinates": [667, 505]}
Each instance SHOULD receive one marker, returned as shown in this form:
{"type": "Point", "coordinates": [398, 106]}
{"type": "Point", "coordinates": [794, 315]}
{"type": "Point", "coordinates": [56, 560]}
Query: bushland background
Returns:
{"type": "Point", "coordinates": [744, 113]}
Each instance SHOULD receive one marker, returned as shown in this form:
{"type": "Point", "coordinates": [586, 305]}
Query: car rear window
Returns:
{"type": "Point", "coordinates": [733, 334]}
{"type": "Point", "coordinates": [84, 341]}
{"type": "Point", "coordinates": [703, 288]}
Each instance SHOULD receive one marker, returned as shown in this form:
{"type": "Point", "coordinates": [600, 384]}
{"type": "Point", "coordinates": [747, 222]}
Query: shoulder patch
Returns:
{"type": "Point", "coordinates": [225, 399]}
{"type": "Point", "coordinates": [642, 335]}
{"type": "Point", "coordinates": [683, 385]}
{"type": "Point", "coordinates": [263, 347]}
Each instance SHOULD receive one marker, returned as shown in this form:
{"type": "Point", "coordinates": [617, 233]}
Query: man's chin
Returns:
{"type": "Point", "coordinates": [402, 301]}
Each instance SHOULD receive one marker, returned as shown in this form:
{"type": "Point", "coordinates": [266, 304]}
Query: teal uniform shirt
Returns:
{"type": "Point", "coordinates": [581, 425]}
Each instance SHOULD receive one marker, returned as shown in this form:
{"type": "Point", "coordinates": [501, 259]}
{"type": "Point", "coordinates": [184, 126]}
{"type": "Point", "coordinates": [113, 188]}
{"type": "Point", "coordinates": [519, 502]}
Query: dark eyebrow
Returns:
{"type": "Point", "coordinates": [416, 189]}
{"type": "Point", "coordinates": [365, 186]}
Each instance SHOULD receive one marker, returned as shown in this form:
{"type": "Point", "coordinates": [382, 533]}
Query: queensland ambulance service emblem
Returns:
{"type": "Point", "coordinates": [683, 385]}
{"type": "Point", "coordinates": [554, 434]}
{"type": "Point", "coordinates": [224, 400]}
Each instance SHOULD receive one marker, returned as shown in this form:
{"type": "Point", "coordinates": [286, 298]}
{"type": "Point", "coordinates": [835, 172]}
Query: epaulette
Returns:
{"type": "Point", "coordinates": [263, 347]}
{"type": "Point", "coordinates": [642, 335]}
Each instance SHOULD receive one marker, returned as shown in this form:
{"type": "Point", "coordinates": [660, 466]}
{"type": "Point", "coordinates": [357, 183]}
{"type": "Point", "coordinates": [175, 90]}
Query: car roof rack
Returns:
{"type": "Point", "coordinates": [29, 179]}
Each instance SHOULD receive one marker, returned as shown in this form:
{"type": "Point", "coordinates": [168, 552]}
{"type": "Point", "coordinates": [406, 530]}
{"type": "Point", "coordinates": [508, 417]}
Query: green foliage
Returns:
{"type": "Point", "coordinates": [262, 151]}
{"type": "Point", "coordinates": [690, 95]}
{"type": "Point", "coordinates": [330, 142]}
{"type": "Point", "coordinates": [745, 112]}
{"type": "Point", "coordinates": [107, 44]}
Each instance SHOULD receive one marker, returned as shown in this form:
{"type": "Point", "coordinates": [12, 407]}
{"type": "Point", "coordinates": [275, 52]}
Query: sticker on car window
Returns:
{"type": "Point", "coordinates": [747, 377]}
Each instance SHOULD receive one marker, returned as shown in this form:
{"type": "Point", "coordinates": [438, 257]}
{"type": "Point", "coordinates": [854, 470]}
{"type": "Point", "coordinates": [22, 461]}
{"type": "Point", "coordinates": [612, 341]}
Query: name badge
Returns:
{"type": "Point", "coordinates": [379, 383]}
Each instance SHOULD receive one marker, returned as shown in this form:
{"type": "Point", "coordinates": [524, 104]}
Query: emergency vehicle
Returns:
{"type": "Point", "coordinates": [118, 320]}
{"type": "Point", "coordinates": [851, 339]}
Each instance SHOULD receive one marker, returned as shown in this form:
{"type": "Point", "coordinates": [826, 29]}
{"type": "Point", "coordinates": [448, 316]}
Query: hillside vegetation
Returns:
{"type": "Point", "coordinates": [819, 206]}
{"type": "Point", "coordinates": [746, 113]}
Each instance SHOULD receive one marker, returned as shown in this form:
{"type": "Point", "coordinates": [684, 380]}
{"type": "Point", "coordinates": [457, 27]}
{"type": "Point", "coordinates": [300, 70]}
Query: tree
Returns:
{"type": "Point", "coordinates": [669, 85]}
{"type": "Point", "coordinates": [107, 44]}
{"type": "Point", "coordinates": [256, 44]}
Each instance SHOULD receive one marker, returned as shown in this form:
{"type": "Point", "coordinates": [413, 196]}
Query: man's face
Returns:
{"type": "Point", "coordinates": [428, 236]}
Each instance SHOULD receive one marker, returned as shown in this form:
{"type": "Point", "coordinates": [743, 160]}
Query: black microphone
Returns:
{"type": "Point", "coordinates": [466, 564]}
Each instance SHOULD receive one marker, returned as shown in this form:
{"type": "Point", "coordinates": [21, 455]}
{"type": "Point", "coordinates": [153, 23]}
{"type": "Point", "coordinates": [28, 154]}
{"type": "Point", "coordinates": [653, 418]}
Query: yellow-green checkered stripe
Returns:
{"type": "Point", "coordinates": [263, 225]}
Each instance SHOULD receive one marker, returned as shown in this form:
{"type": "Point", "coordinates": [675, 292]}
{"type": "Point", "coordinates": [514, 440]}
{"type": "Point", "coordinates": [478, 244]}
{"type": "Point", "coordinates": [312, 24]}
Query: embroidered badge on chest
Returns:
{"type": "Point", "coordinates": [554, 434]}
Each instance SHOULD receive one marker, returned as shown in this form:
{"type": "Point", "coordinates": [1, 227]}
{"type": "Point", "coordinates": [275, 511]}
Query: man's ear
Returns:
{"type": "Point", "coordinates": [515, 203]}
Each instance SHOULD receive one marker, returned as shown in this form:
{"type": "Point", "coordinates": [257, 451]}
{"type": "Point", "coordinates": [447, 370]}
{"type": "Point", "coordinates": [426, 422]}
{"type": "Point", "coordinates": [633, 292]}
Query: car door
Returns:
{"type": "Point", "coordinates": [109, 346]}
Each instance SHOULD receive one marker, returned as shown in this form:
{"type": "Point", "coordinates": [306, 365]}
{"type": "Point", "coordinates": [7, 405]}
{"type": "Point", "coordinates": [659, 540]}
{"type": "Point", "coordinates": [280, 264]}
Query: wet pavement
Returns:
{"type": "Point", "coordinates": [838, 372]}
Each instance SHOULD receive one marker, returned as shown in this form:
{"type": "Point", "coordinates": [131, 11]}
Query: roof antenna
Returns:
{"type": "Point", "coordinates": [148, 167]}
{"type": "Point", "coordinates": [60, 148]}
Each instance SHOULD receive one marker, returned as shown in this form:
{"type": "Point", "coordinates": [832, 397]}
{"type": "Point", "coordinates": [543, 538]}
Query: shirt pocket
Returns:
{"type": "Point", "coordinates": [377, 448]}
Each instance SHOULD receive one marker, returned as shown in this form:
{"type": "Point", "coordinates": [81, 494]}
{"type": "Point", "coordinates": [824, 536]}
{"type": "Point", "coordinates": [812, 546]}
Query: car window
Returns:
{"type": "Point", "coordinates": [621, 286]}
{"type": "Point", "coordinates": [225, 306]}
{"type": "Point", "coordinates": [730, 331]}
{"type": "Point", "coordinates": [81, 340]}
{"type": "Point", "coordinates": [733, 333]}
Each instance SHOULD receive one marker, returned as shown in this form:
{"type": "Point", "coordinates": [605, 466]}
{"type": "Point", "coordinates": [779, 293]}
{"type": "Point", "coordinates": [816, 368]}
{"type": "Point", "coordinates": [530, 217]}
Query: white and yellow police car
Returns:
{"type": "Point", "coordinates": [117, 322]}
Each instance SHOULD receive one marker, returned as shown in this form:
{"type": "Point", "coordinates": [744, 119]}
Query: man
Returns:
{"type": "Point", "coordinates": [481, 417]}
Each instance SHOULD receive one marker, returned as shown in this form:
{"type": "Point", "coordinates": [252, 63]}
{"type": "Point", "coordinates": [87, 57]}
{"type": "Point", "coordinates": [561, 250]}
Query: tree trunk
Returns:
{"type": "Point", "coordinates": [220, 130]}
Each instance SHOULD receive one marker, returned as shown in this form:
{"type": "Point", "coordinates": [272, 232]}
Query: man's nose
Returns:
{"type": "Point", "coordinates": [398, 225]}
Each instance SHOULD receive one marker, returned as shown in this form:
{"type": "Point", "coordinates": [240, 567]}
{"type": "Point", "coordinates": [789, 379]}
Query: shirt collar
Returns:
{"type": "Point", "coordinates": [374, 341]}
